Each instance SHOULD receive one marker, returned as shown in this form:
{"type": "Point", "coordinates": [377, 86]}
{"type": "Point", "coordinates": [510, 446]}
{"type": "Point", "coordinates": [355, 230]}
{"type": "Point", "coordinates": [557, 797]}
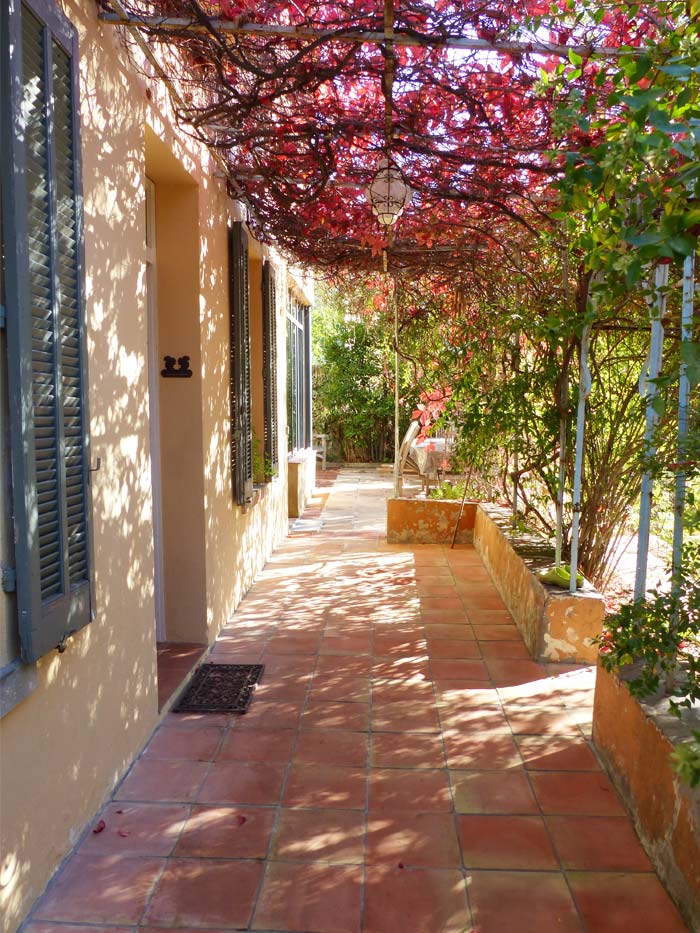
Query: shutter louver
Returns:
{"type": "Point", "coordinates": [69, 316]}
{"type": "Point", "coordinates": [41, 208]}
{"type": "Point", "coordinates": [270, 363]}
{"type": "Point", "coordinates": [240, 395]}
{"type": "Point", "coordinates": [34, 112]}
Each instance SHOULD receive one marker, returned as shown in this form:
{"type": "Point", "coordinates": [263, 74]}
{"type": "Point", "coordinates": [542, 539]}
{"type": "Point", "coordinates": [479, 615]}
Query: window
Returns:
{"type": "Point", "coordinates": [240, 399]}
{"type": "Point", "coordinates": [298, 375]}
{"type": "Point", "coordinates": [269, 290]}
{"type": "Point", "coordinates": [43, 280]}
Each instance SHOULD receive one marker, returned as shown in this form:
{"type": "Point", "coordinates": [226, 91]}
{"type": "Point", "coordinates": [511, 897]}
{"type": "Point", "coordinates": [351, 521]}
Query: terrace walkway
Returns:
{"type": "Point", "coordinates": [404, 767]}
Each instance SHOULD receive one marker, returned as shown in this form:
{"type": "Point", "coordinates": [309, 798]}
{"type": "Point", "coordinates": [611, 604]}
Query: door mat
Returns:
{"type": "Point", "coordinates": [220, 688]}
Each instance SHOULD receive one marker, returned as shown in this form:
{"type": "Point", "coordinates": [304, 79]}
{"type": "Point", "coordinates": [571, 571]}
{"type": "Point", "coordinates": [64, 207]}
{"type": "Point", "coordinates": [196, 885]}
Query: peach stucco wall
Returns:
{"type": "Point", "coordinates": [65, 746]}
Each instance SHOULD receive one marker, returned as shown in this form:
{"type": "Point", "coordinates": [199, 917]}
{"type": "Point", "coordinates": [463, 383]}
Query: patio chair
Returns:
{"type": "Point", "coordinates": [407, 464]}
{"type": "Point", "coordinates": [321, 448]}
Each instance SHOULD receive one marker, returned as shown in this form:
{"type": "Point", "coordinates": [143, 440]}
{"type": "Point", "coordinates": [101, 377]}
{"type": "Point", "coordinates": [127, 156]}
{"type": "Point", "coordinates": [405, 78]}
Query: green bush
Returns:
{"type": "Point", "coordinates": [660, 638]}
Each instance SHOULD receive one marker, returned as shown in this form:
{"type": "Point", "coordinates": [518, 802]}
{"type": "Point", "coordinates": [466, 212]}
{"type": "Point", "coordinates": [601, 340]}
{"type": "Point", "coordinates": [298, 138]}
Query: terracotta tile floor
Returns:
{"type": "Point", "coordinates": [404, 767]}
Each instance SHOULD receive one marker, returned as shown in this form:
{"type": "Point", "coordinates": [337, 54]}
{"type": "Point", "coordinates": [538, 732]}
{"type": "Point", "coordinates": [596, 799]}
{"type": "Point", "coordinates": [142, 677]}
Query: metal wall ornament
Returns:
{"type": "Point", "coordinates": [388, 194]}
{"type": "Point", "coordinates": [181, 371]}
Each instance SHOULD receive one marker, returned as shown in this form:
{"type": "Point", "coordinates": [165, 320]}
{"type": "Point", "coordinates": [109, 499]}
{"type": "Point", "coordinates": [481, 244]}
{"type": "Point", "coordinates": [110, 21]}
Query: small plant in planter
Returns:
{"type": "Point", "coordinates": [661, 638]}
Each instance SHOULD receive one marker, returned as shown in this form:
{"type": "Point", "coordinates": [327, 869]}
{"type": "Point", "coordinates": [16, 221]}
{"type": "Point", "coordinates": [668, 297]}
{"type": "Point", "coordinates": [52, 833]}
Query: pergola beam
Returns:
{"type": "Point", "coordinates": [304, 33]}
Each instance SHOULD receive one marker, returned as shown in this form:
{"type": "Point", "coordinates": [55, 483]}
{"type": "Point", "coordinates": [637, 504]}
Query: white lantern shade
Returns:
{"type": "Point", "coordinates": [388, 194]}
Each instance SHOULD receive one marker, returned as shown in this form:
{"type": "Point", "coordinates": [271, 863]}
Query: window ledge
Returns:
{"type": "Point", "coordinates": [17, 682]}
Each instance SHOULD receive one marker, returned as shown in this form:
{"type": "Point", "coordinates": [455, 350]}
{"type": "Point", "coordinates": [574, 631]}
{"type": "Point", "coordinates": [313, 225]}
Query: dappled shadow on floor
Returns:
{"type": "Point", "coordinates": [405, 765]}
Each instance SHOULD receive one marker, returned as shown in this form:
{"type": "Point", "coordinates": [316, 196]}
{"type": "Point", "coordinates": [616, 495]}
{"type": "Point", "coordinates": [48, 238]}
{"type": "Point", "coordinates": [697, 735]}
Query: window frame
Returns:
{"type": "Point", "coordinates": [73, 608]}
{"type": "Point", "coordinates": [240, 383]}
{"type": "Point", "coordinates": [270, 367]}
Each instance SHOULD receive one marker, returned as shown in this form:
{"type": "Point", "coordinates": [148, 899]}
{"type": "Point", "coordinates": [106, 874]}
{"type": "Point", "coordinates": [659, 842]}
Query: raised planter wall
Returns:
{"type": "Point", "coordinates": [634, 741]}
{"type": "Point", "coordinates": [301, 479]}
{"type": "Point", "coordinates": [556, 625]}
{"type": "Point", "coordinates": [428, 521]}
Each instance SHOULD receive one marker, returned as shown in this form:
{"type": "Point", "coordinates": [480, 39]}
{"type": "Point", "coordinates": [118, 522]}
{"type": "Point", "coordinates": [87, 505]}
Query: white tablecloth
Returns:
{"type": "Point", "coordinates": [432, 454]}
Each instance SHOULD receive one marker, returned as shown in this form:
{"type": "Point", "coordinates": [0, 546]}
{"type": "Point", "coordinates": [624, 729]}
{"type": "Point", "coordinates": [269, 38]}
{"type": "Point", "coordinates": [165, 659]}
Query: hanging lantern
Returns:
{"type": "Point", "coordinates": [388, 194]}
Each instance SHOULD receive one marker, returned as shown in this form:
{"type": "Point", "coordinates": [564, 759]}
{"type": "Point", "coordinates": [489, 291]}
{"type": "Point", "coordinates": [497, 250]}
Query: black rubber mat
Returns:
{"type": "Point", "coordinates": [220, 688]}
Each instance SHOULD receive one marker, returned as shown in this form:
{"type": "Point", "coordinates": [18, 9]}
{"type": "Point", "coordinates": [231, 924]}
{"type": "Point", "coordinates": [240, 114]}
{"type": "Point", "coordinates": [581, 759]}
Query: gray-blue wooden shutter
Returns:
{"type": "Point", "coordinates": [42, 231]}
{"type": "Point", "coordinates": [269, 293]}
{"type": "Point", "coordinates": [240, 398]}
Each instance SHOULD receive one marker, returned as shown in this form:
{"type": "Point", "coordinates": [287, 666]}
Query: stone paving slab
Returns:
{"type": "Point", "coordinates": [405, 767]}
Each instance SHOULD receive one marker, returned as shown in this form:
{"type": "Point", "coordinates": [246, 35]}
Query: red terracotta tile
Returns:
{"type": "Point", "coordinates": [416, 791]}
{"type": "Point", "coordinates": [271, 714]}
{"type": "Point", "coordinates": [526, 901]}
{"type": "Point", "coordinates": [335, 836]}
{"type": "Point", "coordinates": [584, 793]}
{"type": "Point", "coordinates": [505, 649]}
{"type": "Point", "coordinates": [283, 685]}
{"type": "Point", "coordinates": [435, 900]}
{"type": "Point", "coordinates": [347, 716]}
{"type": "Point", "coordinates": [100, 889]}
{"type": "Point", "coordinates": [541, 721]}
{"type": "Point", "coordinates": [406, 750]}
{"type": "Point", "coordinates": [495, 632]}
{"type": "Point", "coordinates": [179, 654]}
{"type": "Point", "coordinates": [405, 716]}
{"type": "Point", "coordinates": [346, 644]}
{"type": "Point", "coordinates": [319, 898]}
{"type": "Point", "coordinates": [253, 782]}
{"type": "Point", "coordinates": [293, 644]}
{"type": "Point", "coordinates": [492, 792]}
{"type": "Point", "coordinates": [618, 903]}
{"type": "Point", "coordinates": [453, 648]}
{"type": "Point", "coordinates": [473, 693]}
{"type": "Point", "coordinates": [48, 927]}
{"type": "Point", "coordinates": [557, 753]}
{"type": "Point", "coordinates": [325, 786]}
{"type": "Point", "coordinates": [226, 832]}
{"type": "Point", "coordinates": [269, 745]}
{"type": "Point", "coordinates": [482, 599]}
{"type": "Point", "coordinates": [458, 669]}
{"type": "Point", "coordinates": [416, 840]}
{"type": "Point", "coordinates": [333, 664]}
{"type": "Point", "coordinates": [413, 667]}
{"type": "Point", "coordinates": [487, 616]}
{"type": "Point", "coordinates": [449, 631]}
{"type": "Point", "coordinates": [508, 671]}
{"type": "Point", "coordinates": [330, 747]}
{"type": "Point", "coordinates": [598, 843]}
{"type": "Point", "coordinates": [196, 720]}
{"type": "Point", "coordinates": [136, 829]}
{"type": "Point", "coordinates": [436, 589]}
{"type": "Point", "coordinates": [340, 687]}
{"type": "Point", "coordinates": [194, 744]}
{"type": "Point", "coordinates": [441, 603]}
{"type": "Point", "coordinates": [204, 892]}
{"type": "Point", "coordinates": [506, 842]}
{"type": "Point", "coordinates": [159, 780]}
{"type": "Point", "coordinates": [408, 645]}
{"type": "Point", "coordinates": [481, 751]}
{"type": "Point", "coordinates": [403, 690]}
{"type": "Point", "coordinates": [444, 616]}
{"type": "Point", "coordinates": [474, 719]}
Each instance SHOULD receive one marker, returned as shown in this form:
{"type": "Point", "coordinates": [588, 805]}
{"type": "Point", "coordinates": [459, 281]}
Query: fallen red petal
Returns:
{"type": "Point", "coordinates": [240, 819]}
{"type": "Point", "coordinates": [100, 826]}
{"type": "Point", "coordinates": [123, 833]}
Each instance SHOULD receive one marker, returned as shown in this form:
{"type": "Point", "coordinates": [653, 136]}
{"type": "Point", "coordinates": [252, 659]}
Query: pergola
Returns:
{"type": "Point", "coordinates": [301, 101]}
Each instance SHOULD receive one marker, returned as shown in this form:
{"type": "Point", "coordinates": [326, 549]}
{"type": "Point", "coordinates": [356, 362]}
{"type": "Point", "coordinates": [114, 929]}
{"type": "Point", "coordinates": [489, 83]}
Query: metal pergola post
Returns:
{"type": "Point", "coordinates": [584, 390]}
{"type": "Point", "coordinates": [649, 390]}
{"type": "Point", "coordinates": [687, 313]}
{"type": "Point", "coordinates": [562, 476]}
{"type": "Point", "coordinates": [397, 387]}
